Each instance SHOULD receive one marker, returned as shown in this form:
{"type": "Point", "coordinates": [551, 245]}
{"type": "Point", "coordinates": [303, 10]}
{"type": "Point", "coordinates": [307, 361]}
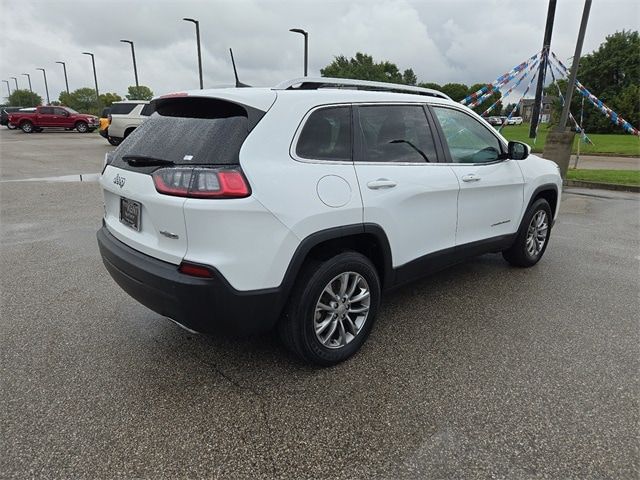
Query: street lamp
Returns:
{"type": "Point", "coordinates": [306, 46]}
{"type": "Point", "coordinates": [29, 78]}
{"type": "Point", "coordinates": [15, 80]}
{"type": "Point", "coordinates": [46, 87]}
{"type": "Point", "coordinates": [197, 24]}
{"type": "Point", "coordinates": [8, 87]}
{"type": "Point", "coordinates": [64, 67]}
{"type": "Point", "coordinates": [95, 77]}
{"type": "Point", "coordinates": [133, 54]}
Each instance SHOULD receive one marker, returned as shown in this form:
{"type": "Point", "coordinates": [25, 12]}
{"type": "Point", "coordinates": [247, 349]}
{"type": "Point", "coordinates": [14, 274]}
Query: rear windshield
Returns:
{"type": "Point", "coordinates": [122, 108]}
{"type": "Point", "coordinates": [188, 132]}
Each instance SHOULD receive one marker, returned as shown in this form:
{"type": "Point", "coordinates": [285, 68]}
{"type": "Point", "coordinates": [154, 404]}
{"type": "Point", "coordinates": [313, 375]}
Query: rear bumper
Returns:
{"type": "Point", "coordinates": [200, 304]}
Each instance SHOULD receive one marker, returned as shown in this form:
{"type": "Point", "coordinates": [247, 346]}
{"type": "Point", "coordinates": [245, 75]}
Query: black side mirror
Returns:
{"type": "Point", "coordinates": [518, 150]}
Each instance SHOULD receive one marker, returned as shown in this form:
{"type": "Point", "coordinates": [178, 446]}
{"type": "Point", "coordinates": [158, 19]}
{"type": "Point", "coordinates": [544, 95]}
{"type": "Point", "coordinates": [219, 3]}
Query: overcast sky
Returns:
{"type": "Point", "coordinates": [443, 41]}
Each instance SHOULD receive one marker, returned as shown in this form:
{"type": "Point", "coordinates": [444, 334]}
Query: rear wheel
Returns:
{"type": "Point", "coordinates": [533, 236]}
{"type": "Point", "coordinates": [114, 141]}
{"type": "Point", "coordinates": [26, 127]}
{"type": "Point", "coordinates": [82, 127]}
{"type": "Point", "coordinates": [332, 309]}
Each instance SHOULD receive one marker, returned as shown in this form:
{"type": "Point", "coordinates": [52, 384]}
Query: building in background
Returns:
{"type": "Point", "coordinates": [547, 108]}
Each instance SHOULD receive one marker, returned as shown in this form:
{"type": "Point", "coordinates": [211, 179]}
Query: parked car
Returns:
{"type": "Point", "coordinates": [351, 187]}
{"type": "Point", "coordinates": [494, 120]}
{"type": "Point", "coordinates": [4, 116]}
{"type": "Point", "coordinates": [53, 117]}
{"type": "Point", "coordinates": [124, 118]}
{"type": "Point", "coordinates": [515, 121]}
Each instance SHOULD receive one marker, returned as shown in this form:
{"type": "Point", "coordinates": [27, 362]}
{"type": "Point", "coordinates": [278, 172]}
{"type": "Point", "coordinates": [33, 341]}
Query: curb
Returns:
{"type": "Point", "coordinates": [602, 186]}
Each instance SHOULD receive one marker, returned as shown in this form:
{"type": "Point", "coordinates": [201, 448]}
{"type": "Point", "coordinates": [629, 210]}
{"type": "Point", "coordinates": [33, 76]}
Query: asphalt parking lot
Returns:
{"type": "Point", "coordinates": [481, 371]}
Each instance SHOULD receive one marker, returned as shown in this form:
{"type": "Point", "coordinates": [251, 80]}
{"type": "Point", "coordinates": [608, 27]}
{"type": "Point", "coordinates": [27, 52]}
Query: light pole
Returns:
{"type": "Point", "coordinates": [197, 24]}
{"type": "Point", "coordinates": [15, 80]}
{"type": "Point", "coordinates": [95, 77]}
{"type": "Point", "coordinates": [8, 87]}
{"type": "Point", "coordinates": [29, 78]}
{"type": "Point", "coordinates": [133, 55]}
{"type": "Point", "coordinates": [306, 47]}
{"type": "Point", "coordinates": [46, 87]}
{"type": "Point", "coordinates": [64, 67]}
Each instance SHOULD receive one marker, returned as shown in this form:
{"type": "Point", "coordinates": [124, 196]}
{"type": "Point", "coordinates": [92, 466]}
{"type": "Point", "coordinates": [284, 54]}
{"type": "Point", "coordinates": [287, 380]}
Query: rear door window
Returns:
{"type": "Point", "coordinates": [395, 133]}
{"type": "Point", "coordinates": [122, 108]}
{"type": "Point", "coordinates": [326, 135]}
{"type": "Point", "coordinates": [188, 132]}
{"type": "Point", "coordinates": [46, 111]}
{"type": "Point", "coordinates": [147, 110]}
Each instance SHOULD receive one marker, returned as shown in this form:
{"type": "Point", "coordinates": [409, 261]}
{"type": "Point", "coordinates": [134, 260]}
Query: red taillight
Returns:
{"type": "Point", "coordinates": [194, 270]}
{"type": "Point", "coordinates": [201, 182]}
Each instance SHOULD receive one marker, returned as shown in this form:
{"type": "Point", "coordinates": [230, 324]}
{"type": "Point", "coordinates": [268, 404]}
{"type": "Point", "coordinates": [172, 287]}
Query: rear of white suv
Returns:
{"type": "Point", "coordinates": [240, 209]}
{"type": "Point", "coordinates": [124, 117]}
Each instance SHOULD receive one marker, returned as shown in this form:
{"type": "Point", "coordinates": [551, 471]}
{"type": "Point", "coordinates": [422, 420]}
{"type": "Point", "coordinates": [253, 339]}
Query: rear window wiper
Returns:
{"type": "Point", "coordinates": [145, 161]}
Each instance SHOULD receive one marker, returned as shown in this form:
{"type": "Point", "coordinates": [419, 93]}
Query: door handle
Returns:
{"type": "Point", "coordinates": [381, 183]}
{"type": "Point", "coordinates": [472, 177]}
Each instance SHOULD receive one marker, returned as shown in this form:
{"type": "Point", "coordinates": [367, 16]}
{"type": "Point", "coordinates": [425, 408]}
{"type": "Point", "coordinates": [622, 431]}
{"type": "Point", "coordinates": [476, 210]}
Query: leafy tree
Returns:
{"type": "Point", "coordinates": [434, 86]}
{"type": "Point", "coordinates": [363, 67]}
{"type": "Point", "coordinates": [106, 99]}
{"type": "Point", "coordinates": [457, 91]}
{"type": "Point", "coordinates": [83, 100]}
{"type": "Point", "coordinates": [139, 93]}
{"type": "Point", "coordinates": [24, 98]}
{"type": "Point", "coordinates": [611, 73]}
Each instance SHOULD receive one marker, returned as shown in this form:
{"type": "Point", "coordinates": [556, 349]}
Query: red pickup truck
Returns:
{"type": "Point", "coordinates": [53, 117]}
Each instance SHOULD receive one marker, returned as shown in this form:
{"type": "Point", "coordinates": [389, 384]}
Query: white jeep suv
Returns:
{"type": "Point", "coordinates": [242, 209]}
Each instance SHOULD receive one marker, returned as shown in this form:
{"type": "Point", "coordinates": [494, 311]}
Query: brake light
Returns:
{"type": "Point", "coordinates": [201, 182]}
{"type": "Point", "coordinates": [194, 270]}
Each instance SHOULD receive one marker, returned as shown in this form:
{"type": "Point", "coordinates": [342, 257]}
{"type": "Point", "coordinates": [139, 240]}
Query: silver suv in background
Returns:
{"type": "Point", "coordinates": [124, 118]}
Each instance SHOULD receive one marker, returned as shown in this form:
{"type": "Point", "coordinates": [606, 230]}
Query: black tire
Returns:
{"type": "Point", "coordinates": [297, 327]}
{"type": "Point", "coordinates": [11, 127]}
{"type": "Point", "coordinates": [520, 254]}
{"type": "Point", "coordinates": [114, 141]}
{"type": "Point", "coordinates": [27, 127]}
{"type": "Point", "coordinates": [82, 127]}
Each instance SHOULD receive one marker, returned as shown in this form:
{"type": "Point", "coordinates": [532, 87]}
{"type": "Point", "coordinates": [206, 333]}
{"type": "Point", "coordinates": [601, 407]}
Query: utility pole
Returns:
{"type": "Point", "coordinates": [306, 47]}
{"type": "Point", "coordinates": [133, 54]}
{"type": "Point", "coordinates": [46, 87]}
{"type": "Point", "coordinates": [573, 73]}
{"type": "Point", "coordinates": [16, 80]}
{"type": "Point", "coordinates": [29, 78]}
{"type": "Point", "coordinates": [8, 87]}
{"type": "Point", "coordinates": [95, 76]}
{"type": "Point", "coordinates": [546, 44]}
{"type": "Point", "coordinates": [64, 67]}
{"type": "Point", "coordinates": [197, 24]}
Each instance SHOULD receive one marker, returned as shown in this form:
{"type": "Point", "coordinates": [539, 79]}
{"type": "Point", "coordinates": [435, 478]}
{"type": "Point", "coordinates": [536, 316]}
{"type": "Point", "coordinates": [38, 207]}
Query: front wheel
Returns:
{"type": "Point", "coordinates": [82, 127]}
{"type": "Point", "coordinates": [11, 127]}
{"type": "Point", "coordinates": [533, 236]}
{"type": "Point", "coordinates": [332, 309]}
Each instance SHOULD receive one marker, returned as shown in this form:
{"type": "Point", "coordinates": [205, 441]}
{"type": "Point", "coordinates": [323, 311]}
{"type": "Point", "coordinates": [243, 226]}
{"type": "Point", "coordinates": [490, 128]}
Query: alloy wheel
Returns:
{"type": "Point", "coordinates": [537, 233]}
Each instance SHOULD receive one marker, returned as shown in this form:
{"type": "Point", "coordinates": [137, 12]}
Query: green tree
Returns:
{"type": "Point", "coordinates": [434, 86]}
{"type": "Point", "coordinates": [24, 98]}
{"type": "Point", "coordinates": [457, 91]}
{"type": "Point", "coordinates": [363, 67]}
{"type": "Point", "coordinates": [83, 100]}
{"type": "Point", "coordinates": [106, 99]}
{"type": "Point", "coordinates": [139, 93]}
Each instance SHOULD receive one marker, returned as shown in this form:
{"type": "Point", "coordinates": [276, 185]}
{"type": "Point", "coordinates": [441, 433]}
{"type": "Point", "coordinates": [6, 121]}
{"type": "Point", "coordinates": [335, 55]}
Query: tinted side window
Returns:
{"type": "Point", "coordinates": [46, 110]}
{"type": "Point", "coordinates": [395, 133]}
{"type": "Point", "coordinates": [122, 108]}
{"type": "Point", "coordinates": [326, 135]}
{"type": "Point", "coordinates": [147, 110]}
{"type": "Point", "coordinates": [59, 111]}
{"type": "Point", "coordinates": [469, 141]}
